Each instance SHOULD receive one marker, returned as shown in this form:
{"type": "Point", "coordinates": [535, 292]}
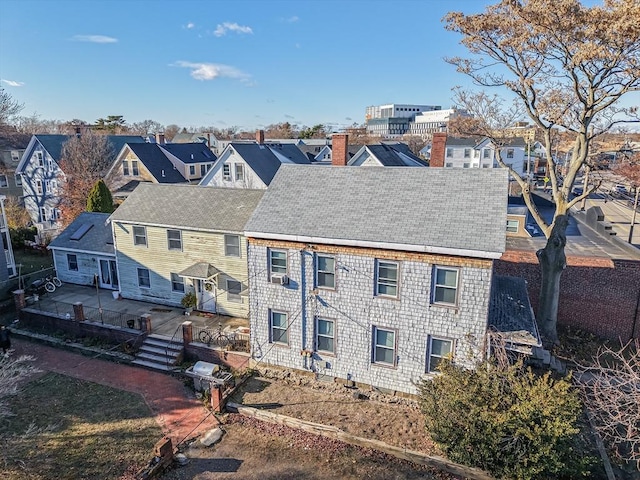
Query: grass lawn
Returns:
{"type": "Point", "coordinates": [65, 428]}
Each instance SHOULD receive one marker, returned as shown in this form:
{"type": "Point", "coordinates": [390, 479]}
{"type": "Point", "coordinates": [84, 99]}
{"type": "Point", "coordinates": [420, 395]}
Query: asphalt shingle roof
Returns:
{"type": "Point", "coordinates": [426, 207]}
{"type": "Point", "coordinates": [389, 155]}
{"type": "Point", "coordinates": [189, 206]}
{"type": "Point", "coordinates": [157, 162]}
{"type": "Point", "coordinates": [98, 238]}
{"type": "Point", "coordinates": [190, 152]}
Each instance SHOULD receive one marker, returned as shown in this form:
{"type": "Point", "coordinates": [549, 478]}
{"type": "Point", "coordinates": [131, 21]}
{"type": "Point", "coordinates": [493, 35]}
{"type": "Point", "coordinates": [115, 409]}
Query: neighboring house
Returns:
{"type": "Point", "coordinates": [462, 152]}
{"type": "Point", "coordinates": [157, 163]}
{"type": "Point", "coordinates": [42, 177]}
{"type": "Point", "coordinates": [172, 239]}
{"type": "Point", "coordinates": [386, 155]}
{"type": "Point", "coordinates": [84, 252]}
{"type": "Point", "coordinates": [7, 261]}
{"type": "Point", "coordinates": [12, 147]}
{"type": "Point", "coordinates": [252, 165]}
{"type": "Point", "coordinates": [201, 137]}
{"type": "Point", "coordinates": [323, 154]}
{"type": "Point", "coordinates": [361, 274]}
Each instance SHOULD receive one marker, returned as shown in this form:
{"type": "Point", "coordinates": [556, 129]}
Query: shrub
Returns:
{"type": "Point", "coordinates": [506, 420]}
{"type": "Point", "coordinates": [189, 300]}
{"type": "Point", "coordinates": [19, 235]}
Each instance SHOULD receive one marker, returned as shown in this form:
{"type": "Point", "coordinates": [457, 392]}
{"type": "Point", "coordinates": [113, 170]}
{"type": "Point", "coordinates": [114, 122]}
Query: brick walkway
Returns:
{"type": "Point", "coordinates": [175, 407]}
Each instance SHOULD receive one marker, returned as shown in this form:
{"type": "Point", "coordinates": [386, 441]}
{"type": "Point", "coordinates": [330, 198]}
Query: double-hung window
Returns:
{"type": "Point", "coordinates": [277, 262]}
{"type": "Point", "coordinates": [234, 288]}
{"type": "Point", "coordinates": [278, 326]}
{"type": "Point", "coordinates": [239, 168]}
{"type": "Point", "coordinates": [449, 152]}
{"type": "Point", "coordinates": [384, 346]}
{"type": "Point", "coordinates": [39, 187]}
{"type": "Point", "coordinates": [18, 178]}
{"type": "Point", "coordinates": [203, 169]}
{"type": "Point", "coordinates": [4, 182]}
{"type": "Point", "coordinates": [513, 226]}
{"type": "Point", "coordinates": [177, 283]}
{"type": "Point", "coordinates": [445, 285]}
{"type": "Point", "coordinates": [174, 239]}
{"type": "Point", "coordinates": [467, 152]}
{"type": "Point", "coordinates": [140, 236]}
{"type": "Point", "coordinates": [232, 245]}
{"type": "Point", "coordinates": [325, 335]}
{"type": "Point", "coordinates": [134, 168]}
{"type": "Point", "coordinates": [144, 280]}
{"type": "Point", "coordinates": [509, 152]}
{"type": "Point", "coordinates": [72, 262]}
{"type": "Point", "coordinates": [438, 349]}
{"type": "Point", "coordinates": [386, 278]}
{"type": "Point", "coordinates": [125, 168]}
{"type": "Point", "coordinates": [226, 172]}
{"type": "Point", "coordinates": [326, 271]}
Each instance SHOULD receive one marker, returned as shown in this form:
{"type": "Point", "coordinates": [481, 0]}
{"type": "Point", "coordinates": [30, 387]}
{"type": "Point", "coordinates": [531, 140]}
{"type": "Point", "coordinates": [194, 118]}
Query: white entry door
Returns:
{"type": "Point", "coordinates": [108, 274]}
{"type": "Point", "coordinates": [206, 296]}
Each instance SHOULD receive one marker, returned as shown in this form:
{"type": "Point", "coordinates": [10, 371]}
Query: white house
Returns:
{"type": "Point", "coordinates": [360, 274]}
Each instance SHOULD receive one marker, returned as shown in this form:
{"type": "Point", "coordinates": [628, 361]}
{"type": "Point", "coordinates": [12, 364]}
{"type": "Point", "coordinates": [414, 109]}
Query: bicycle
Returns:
{"type": "Point", "coordinates": [51, 283]}
{"type": "Point", "coordinates": [218, 337]}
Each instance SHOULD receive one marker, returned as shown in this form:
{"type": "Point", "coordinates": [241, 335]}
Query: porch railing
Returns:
{"type": "Point", "coordinates": [238, 342]}
{"type": "Point", "coordinates": [91, 314]}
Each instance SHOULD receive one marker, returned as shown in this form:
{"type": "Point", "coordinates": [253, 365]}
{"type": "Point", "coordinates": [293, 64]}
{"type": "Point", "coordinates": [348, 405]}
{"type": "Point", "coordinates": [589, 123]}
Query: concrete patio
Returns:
{"type": "Point", "coordinates": [165, 320]}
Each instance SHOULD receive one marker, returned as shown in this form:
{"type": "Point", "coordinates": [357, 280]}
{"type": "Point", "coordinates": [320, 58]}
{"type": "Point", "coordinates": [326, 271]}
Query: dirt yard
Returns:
{"type": "Point", "coordinates": [394, 420]}
{"type": "Point", "coordinates": [252, 449]}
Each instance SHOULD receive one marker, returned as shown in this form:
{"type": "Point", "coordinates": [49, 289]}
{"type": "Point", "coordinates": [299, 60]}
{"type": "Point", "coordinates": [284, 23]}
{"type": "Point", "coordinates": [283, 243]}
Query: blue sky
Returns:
{"type": "Point", "coordinates": [227, 63]}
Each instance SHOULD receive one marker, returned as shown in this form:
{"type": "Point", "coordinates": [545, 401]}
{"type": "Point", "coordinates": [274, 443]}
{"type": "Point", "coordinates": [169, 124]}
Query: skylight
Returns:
{"type": "Point", "coordinates": [80, 232]}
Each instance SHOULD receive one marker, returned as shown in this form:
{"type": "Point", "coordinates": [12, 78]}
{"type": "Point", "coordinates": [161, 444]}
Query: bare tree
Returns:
{"type": "Point", "coordinates": [145, 127]}
{"type": "Point", "coordinates": [567, 66]}
{"type": "Point", "coordinates": [9, 107]}
{"type": "Point", "coordinates": [84, 161]}
{"type": "Point", "coordinates": [611, 388]}
{"type": "Point", "coordinates": [171, 131]}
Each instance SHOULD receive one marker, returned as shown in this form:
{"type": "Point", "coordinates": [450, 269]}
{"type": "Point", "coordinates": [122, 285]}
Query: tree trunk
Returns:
{"type": "Point", "coordinates": [552, 262]}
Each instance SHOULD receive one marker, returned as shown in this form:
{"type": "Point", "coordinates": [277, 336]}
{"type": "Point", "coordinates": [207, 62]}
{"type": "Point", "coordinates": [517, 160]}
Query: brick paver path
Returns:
{"type": "Point", "coordinates": [180, 415]}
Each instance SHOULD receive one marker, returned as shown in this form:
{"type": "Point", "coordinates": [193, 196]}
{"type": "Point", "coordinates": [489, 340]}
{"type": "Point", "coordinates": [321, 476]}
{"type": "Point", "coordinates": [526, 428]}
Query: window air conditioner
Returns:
{"type": "Point", "coordinates": [280, 279]}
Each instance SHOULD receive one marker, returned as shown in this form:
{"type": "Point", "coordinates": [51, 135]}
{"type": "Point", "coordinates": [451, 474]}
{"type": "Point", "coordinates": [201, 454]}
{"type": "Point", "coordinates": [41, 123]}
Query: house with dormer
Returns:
{"type": "Point", "coordinates": [171, 239]}
{"type": "Point", "coordinates": [359, 275]}
{"type": "Point", "coordinates": [12, 147]}
{"type": "Point", "coordinates": [157, 163]}
{"type": "Point", "coordinates": [41, 176]}
{"type": "Point", "coordinates": [252, 164]}
{"type": "Point", "coordinates": [386, 155]}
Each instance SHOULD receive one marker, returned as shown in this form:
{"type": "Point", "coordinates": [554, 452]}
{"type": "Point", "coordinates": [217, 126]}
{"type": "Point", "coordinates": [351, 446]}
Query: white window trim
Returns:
{"type": "Point", "coordinates": [271, 272]}
{"type": "Point", "coordinates": [318, 271]}
{"type": "Point", "coordinates": [69, 255]}
{"type": "Point", "coordinates": [148, 275]}
{"type": "Point", "coordinates": [226, 251]}
{"type": "Point", "coordinates": [435, 285]}
{"type": "Point", "coordinates": [239, 178]}
{"type": "Point", "coordinates": [226, 172]}
{"type": "Point", "coordinates": [180, 281]}
{"type": "Point", "coordinates": [428, 368]}
{"type": "Point", "coordinates": [517, 226]}
{"type": "Point", "coordinates": [374, 359]}
{"type": "Point", "coordinates": [133, 232]}
{"type": "Point", "coordinates": [333, 338]}
{"type": "Point", "coordinates": [169, 247]}
{"type": "Point", "coordinates": [378, 283]}
{"type": "Point", "coordinates": [286, 316]}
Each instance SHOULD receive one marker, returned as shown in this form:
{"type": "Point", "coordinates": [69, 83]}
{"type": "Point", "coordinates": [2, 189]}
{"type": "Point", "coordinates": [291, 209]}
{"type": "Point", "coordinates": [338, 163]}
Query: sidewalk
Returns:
{"type": "Point", "coordinates": [180, 415]}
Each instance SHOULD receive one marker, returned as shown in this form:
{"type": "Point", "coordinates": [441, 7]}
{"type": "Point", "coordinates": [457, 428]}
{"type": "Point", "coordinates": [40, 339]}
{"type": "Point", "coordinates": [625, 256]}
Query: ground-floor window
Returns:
{"type": "Point", "coordinates": [177, 283]}
{"type": "Point", "coordinates": [384, 346]}
{"type": "Point", "coordinates": [72, 262]}
{"type": "Point", "coordinates": [325, 335]}
{"type": "Point", "coordinates": [144, 280]}
{"type": "Point", "coordinates": [437, 350]}
{"type": "Point", "coordinates": [278, 326]}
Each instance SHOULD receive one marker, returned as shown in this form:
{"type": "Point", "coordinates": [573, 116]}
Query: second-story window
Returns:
{"type": "Point", "coordinates": [203, 169]}
{"type": "Point", "coordinates": [449, 152]}
{"type": "Point", "coordinates": [277, 262]}
{"type": "Point", "coordinates": [325, 271]}
{"type": "Point", "coordinates": [192, 170]}
{"type": "Point", "coordinates": [134, 168]}
{"type": "Point", "coordinates": [40, 158]}
{"type": "Point", "coordinates": [467, 152]}
{"type": "Point", "coordinates": [125, 168]}
{"type": "Point", "coordinates": [239, 172]}
{"type": "Point", "coordinates": [39, 187]}
{"type": "Point", "coordinates": [232, 245]}
{"type": "Point", "coordinates": [226, 172]}
{"type": "Point", "coordinates": [4, 183]}
{"type": "Point", "coordinates": [174, 239]}
{"type": "Point", "coordinates": [509, 152]}
{"type": "Point", "coordinates": [445, 285]}
{"type": "Point", "coordinates": [140, 236]}
{"type": "Point", "coordinates": [386, 278]}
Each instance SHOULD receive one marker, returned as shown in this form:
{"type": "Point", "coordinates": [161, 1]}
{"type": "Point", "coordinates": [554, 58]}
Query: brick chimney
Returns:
{"type": "Point", "coordinates": [438, 149]}
{"type": "Point", "coordinates": [260, 137]}
{"type": "Point", "coordinates": [160, 138]}
{"type": "Point", "coordinates": [339, 149]}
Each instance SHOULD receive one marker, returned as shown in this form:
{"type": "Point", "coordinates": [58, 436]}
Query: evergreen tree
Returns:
{"type": "Point", "coordinates": [100, 199]}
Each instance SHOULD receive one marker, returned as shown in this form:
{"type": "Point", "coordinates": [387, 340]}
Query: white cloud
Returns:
{"type": "Point", "coordinates": [292, 19]}
{"type": "Point", "coordinates": [94, 38]}
{"type": "Point", "coordinates": [225, 27]}
{"type": "Point", "coordinates": [211, 71]}
{"type": "Point", "coordinates": [12, 83]}
{"type": "Point", "coordinates": [190, 25]}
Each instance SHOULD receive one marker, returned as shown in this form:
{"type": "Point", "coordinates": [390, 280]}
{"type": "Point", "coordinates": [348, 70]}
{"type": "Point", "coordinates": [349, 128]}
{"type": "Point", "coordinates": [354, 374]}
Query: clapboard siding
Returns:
{"type": "Point", "coordinates": [197, 246]}
{"type": "Point", "coordinates": [87, 267]}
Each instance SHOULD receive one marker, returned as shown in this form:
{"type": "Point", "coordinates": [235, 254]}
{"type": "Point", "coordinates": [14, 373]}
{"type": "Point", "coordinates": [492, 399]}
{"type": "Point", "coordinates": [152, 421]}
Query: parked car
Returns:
{"type": "Point", "coordinates": [619, 191]}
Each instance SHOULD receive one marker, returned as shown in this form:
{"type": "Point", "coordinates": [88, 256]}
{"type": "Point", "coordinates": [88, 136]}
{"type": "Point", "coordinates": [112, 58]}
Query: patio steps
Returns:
{"type": "Point", "coordinates": [159, 353]}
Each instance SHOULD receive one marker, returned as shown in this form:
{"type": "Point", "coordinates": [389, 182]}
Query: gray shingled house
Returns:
{"type": "Point", "coordinates": [374, 275]}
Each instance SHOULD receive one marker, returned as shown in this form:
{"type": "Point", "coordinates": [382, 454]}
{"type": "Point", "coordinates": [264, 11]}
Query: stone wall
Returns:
{"type": "Point", "coordinates": [356, 311]}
